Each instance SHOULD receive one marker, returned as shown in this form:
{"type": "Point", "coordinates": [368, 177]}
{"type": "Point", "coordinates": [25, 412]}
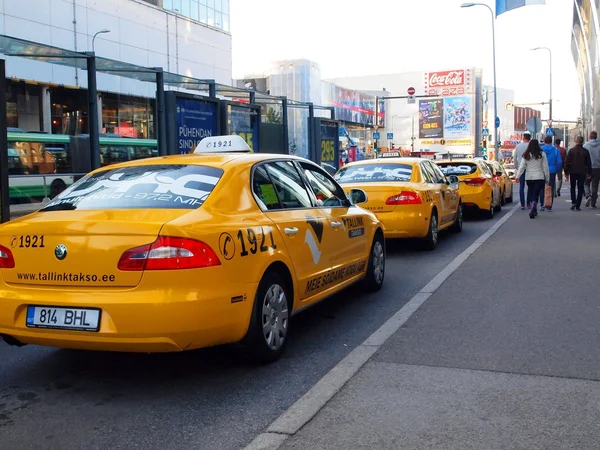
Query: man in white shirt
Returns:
{"type": "Point", "coordinates": [517, 155]}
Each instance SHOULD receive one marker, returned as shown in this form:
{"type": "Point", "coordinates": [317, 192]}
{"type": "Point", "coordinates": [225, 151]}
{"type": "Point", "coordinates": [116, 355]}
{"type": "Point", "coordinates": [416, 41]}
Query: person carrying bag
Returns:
{"type": "Point", "coordinates": [534, 165]}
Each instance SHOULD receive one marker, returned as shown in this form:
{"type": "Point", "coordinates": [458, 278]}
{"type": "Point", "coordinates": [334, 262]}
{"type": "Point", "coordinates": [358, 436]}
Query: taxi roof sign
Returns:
{"type": "Point", "coordinates": [223, 144]}
{"type": "Point", "coordinates": [391, 155]}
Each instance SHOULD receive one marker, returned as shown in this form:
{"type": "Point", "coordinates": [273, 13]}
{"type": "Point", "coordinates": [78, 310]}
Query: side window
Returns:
{"type": "Point", "coordinates": [484, 169]}
{"type": "Point", "coordinates": [289, 186]}
{"type": "Point", "coordinates": [439, 175]}
{"type": "Point", "coordinates": [264, 190]}
{"type": "Point", "coordinates": [427, 174]}
{"type": "Point", "coordinates": [328, 192]}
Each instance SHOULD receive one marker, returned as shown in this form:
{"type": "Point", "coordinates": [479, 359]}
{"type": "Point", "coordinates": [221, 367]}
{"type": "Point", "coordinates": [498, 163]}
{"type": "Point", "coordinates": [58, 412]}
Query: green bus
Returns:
{"type": "Point", "coordinates": [40, 166]}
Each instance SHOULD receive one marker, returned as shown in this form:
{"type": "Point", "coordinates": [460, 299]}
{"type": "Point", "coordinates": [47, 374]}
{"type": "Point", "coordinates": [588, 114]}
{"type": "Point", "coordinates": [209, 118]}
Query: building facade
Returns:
{"type": "Point", "coordinates": [186, 37]}
{"type": "Point", "coordinates": [586, 54]}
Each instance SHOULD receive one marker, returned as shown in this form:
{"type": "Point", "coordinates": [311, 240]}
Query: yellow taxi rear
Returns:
{"type": "Point", "coordinates": [478, 190]}
{"type": "Point", "coordinates": [127, 279]}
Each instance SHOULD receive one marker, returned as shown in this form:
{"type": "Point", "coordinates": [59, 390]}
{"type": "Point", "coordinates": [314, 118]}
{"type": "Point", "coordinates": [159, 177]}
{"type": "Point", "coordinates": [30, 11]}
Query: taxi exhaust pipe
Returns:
{"type": "Point", "coordinates": [11, 341]}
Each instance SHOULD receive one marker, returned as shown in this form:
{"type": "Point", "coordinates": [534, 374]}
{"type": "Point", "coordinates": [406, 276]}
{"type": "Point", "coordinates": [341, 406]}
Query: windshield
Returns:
{"type": "Point", "coordinates": [373, 173]}
{"type": "Point", "coordinates": [458, 168]}
{"type": "Point", "coordinates": [160, 186]}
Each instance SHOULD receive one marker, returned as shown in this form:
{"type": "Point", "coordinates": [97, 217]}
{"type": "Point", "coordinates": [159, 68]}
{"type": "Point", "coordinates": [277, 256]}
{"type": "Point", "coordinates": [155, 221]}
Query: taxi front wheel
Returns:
{"type": "Point", "coordinates": [376, 268]}
{"type": "Point", "coordinates": [269, 323]}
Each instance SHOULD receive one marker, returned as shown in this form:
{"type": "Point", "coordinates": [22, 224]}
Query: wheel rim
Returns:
{"type": "Point", "coordinates": [434, 229]}
{"type": "Point", "coordinates": [378, 262]}
{"type": "Point", "coordinates": [275, 317]}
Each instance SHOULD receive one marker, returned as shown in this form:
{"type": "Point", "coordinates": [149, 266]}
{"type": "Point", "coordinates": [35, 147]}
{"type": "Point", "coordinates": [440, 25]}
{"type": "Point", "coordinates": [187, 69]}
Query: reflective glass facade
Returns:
{"type": "Point", "coordinates": [214, 13]}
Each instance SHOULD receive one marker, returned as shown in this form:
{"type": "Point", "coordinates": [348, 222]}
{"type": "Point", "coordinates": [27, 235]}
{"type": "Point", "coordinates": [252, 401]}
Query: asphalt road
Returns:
{"type": "Point", "coordinates": [209, 399]}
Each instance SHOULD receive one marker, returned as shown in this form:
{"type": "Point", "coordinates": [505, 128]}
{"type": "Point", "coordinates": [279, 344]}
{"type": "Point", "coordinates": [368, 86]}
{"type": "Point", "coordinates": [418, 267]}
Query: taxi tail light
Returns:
{"type": "Point", "coordinates": [475, 181]}
{"type": "Point", "coordinates": [7, 261]}
{"type": "Point", "coordinates": [404, 198]}
{"type": "Point", "coordinates": [169, 253]}
{"type": "Point", "coordinates": [497, 177]}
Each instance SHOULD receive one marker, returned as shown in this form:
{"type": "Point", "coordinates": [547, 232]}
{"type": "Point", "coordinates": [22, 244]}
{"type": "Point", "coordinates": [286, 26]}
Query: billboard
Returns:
{"type": "Point", "coordinates": [330, 142]}
{"type": "Point", "coordinates": [195, 119]}
{"type": "Point", "coordinates": [431, 119]}
{"type": "Point", "coordinates": [244, 122]}
{"type": "Point", "coordinates": [457, 117]}
{"type": "Point", "coordinates": [449, 83]}
{"type": "Point", "coordinates": [351, 106]}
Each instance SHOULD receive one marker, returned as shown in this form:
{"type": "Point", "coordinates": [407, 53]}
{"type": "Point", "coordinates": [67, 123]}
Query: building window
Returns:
{"type": "Point", "coordinates": [128, 116]}
{"type": "Point", "coordinates": [211, 12]}
{"type": "Point", "coordinates": [69, 111]}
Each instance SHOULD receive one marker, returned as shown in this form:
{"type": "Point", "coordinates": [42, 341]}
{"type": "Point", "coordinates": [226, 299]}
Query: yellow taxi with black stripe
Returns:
{"type": "Point", "coordinates": [411, 196]}
{"type": "Point", "coordinates": [186, 251]}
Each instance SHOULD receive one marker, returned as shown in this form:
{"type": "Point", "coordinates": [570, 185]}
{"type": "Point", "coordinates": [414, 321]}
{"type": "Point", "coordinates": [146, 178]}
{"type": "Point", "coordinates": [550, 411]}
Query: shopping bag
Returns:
{"type": "Point", "coordinates": [548, 196]}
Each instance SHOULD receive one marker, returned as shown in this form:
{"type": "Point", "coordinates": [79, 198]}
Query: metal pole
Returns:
{"type": "Point", "coordinates": [212, 89]}
{"type": "Point", "coordinates": [93, 111]}
{"type": "Point", "coordinates": [161, 115]}
{"type": "Point", "coordinates": [4, 185]}
{"type": "Point", "coordinates": [332, 110]}
{"type": "Point", "coordinates": [251, 97]}
{"type": "Point", "coordinates": [284, 119]}
{"type": "Point", "coordinates": [377, 121]}
{"type": "Point", "coordinates": [412, 137]}
{"type": "Point", "coordinates": [496, 146]}
{"type": "Point", "coordinates": [312, 150]}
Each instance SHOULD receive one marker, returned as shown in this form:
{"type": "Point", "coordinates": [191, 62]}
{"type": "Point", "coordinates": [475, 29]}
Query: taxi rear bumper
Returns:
{"type": "Point", "coordinates": [405, 223]}
{"type": "Point", "coordinates": [136, 320]}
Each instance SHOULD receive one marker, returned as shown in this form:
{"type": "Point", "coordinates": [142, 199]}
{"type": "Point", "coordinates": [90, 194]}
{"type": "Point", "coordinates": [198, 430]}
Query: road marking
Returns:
{"type": "Point", "coordinates": [309, 405]}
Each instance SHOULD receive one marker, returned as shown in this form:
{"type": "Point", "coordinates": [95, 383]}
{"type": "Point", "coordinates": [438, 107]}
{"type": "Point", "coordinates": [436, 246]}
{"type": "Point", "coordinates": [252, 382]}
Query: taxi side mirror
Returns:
{"type": "Point", "coordinates": [453, 179]}
{"type": "Point", "coordinates": [358, 196]}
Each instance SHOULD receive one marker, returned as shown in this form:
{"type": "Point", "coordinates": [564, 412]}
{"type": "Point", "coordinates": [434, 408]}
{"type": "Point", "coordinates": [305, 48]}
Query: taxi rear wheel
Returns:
{"type": "Point", "coordinates": [269, 326]}
{"type": "Point", "coordinates": [489, 214]}
{"type": "Point", "coordinates": [503, 199]}
{"type": "Point", "coordinates": [458, 222]}
{"type": "Point", "coordinates": [376, 268]}
{"type": "Point", "coordinates": [431, 240]}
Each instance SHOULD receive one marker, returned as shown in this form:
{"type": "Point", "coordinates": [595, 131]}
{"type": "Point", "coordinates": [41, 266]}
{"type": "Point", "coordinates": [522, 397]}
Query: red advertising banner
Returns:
{"type": "Point", "coordinates": [448, 83]}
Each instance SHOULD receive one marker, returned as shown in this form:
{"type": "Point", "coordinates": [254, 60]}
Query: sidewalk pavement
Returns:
{"type": "Point", "coordinates": [505, 355]}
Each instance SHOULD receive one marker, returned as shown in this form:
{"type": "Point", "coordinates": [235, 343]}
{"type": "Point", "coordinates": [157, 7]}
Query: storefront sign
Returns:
{"type": "Point", "coordinates": [448, 83]}
{"type": "Point", "coordinates": [195, 120]}
{"type": "Point", "coordinates": [431, 119]}
{"type": "Point", "coordinates": [352, 106]}
{"type": "Point", "coordinates": [244, 122]}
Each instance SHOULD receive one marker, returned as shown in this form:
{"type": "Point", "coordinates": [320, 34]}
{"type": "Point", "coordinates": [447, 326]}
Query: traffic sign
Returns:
{"type": "Point", "coordinates": [485, 132]}
{"type": "Point", "coordinates": [411, 91]}
{"type": "Point", "coordinates": [550, 132]}
{"type": "Point", "coordinates": [534, 125]}
{"type": "Point", "coordinates": [484, 124]}
{"type": "Point", "coordinates": [497, 122]}
{"type": "Point", "coordinates": [411, 100]}
{"type": "Point", "coordinates": [390, 136]}
{"type": "Point", "coordinates": [376, 135]}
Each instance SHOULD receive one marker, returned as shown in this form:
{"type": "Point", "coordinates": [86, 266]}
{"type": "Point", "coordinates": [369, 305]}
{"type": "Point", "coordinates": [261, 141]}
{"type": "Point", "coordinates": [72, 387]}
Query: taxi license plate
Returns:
{"type": "Point", "coordinates": [80, 319]}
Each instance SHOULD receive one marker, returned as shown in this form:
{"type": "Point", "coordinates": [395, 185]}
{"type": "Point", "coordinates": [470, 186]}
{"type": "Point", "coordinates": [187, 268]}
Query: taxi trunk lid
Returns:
{"type": "Point", "coordinates": [378, 194]}
{"type": "Point", "coordinates": [79, 248]}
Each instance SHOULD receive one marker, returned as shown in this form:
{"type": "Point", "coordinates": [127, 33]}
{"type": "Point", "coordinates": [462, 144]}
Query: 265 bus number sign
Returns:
{"type": "Point", "coordinates": [327, 151]}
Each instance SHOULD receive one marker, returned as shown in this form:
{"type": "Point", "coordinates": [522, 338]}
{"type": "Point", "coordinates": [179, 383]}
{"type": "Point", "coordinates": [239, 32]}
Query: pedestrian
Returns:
{"type": "Point", "coordinates": [591, 184]}
{"type": "Point", "coordinates": [578, 167]}
{"type": "Point", "coordinates": [517, 156]}
{"type": "Point", "coordinates": [559, 174]}
{"type": "Point", "coordinates": [554, 164]}
{"type": "Point", "coordinates": [534, 164]}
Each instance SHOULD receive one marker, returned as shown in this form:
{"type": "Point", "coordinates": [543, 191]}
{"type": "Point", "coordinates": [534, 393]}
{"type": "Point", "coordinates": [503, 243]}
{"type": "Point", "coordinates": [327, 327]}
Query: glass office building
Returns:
{"type": "Point", "coordinates": [214, 13]}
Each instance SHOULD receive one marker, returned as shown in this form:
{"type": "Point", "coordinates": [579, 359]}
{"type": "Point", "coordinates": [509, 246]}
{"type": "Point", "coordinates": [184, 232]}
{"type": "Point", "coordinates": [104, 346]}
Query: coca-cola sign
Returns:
{"type": "Point", "coordinates": [449, 78]}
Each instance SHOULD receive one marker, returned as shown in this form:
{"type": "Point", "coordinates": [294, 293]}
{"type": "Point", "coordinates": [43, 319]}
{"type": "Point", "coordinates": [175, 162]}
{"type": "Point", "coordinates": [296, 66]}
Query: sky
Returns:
{"type": "Point", "coordinates": [366, 37]}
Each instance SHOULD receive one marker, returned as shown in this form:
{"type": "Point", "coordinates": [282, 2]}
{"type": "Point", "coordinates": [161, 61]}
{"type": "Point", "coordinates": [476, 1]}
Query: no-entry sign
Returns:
{"type": "Point", "coordinates": [411, 91]}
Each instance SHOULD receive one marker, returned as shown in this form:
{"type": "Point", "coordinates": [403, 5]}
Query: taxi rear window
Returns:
{"type": "Point", "coordinates": [157, 187]}
{"type": "Point", "coordinates": [373, 173]}
{"type": "Point", "coordinates": [458, 168]}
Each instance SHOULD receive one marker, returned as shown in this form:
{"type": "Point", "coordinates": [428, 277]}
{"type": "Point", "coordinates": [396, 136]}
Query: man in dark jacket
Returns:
{"type": "Point", "coordinates": [578, 167]}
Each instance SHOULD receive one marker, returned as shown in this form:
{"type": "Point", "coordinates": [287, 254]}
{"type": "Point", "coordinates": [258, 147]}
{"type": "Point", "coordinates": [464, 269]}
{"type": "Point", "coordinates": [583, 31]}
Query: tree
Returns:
{"type": "Point", "coordinates": [273, 116]}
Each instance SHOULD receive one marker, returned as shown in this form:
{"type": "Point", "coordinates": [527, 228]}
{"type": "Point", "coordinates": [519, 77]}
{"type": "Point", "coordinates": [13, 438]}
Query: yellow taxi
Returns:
{"type": "Point", "coordinates": [478, 188]}
{"type": "Point", "coordinates": [506, 184]}
{"type": "Point", "coordinates": [187, 251]}
{"type": "Point", "coordinates": [411, 196]}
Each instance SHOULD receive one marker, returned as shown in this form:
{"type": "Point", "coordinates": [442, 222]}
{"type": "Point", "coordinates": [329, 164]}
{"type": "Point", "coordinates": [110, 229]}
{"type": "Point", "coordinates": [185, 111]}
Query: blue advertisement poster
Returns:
{"type": "Point", "coordinates": [330, 143]}
{"type": "Point", "coordinates": [196, 119]}
{"type": "Point", "coordinates": [244, 122]}
{"type": "Point", "coordinates": [457, 117]}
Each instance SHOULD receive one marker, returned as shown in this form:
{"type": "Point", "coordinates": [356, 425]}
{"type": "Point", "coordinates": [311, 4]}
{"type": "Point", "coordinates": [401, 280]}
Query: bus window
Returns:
{"type": "Point", "coordinates": [142, 152]}
{"type": "Point", "coordinates": [34, 158]}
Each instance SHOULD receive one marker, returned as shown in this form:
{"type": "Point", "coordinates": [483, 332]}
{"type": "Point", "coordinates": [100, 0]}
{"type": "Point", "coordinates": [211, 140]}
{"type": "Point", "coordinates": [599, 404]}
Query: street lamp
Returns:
{"type": "Point", "coordinates": [550, 52]}
{"type": "Point", "coordinates": [468, 5]}
{"type": "Point", "coordinates": [94, 38]}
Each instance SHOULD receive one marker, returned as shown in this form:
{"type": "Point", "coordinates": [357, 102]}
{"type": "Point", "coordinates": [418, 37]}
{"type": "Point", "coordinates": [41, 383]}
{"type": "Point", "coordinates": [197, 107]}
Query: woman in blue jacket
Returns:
{"type": "Point", "coordinates": [555, 163]}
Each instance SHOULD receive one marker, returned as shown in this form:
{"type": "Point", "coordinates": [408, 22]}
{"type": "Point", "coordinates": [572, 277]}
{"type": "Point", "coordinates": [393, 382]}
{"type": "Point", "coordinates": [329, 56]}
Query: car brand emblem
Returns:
{"type": "Point", "coordinates": [60, 252]}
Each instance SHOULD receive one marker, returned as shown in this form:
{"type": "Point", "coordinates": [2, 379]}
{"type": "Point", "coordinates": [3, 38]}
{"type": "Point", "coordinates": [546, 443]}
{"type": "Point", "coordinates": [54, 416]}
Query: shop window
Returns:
{"type": "Point", "coordinates": [128, 116]}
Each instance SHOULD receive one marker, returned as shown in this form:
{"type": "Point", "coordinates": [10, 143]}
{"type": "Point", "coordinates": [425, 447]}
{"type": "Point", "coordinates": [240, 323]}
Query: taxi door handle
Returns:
{"type": "Point", "coordinates": [290, 231]}
{"type": "Point", "coordinates": [336, 224]}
